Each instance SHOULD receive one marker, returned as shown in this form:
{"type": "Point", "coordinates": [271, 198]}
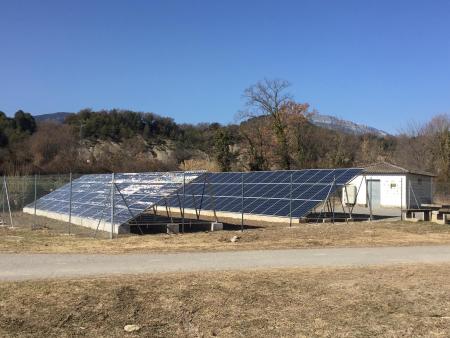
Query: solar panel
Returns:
{"type": "Point", "coordinates": [133, 193]}
{"type": "Point", "coordinates": [272, 193]}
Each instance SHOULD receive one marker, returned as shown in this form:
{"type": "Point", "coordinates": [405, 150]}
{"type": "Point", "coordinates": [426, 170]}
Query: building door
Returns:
{"type": "Point", "coordinates": [374, 192]}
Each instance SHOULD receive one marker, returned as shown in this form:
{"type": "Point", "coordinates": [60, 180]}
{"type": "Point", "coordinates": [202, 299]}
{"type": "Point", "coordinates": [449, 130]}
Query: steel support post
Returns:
{"type": "Point", "coordinates": [7, 200]}
{"type": "Point", "coordinates": [290, 201]}
{"type": "Point", "coordinates": [184, 200]}
{"type": "Point", "coordinates": [35, 198]}
{"type": "Point", "coordinates": [70, 202]}
{"type": "Point", "coordinates": [111, 236]}
{"type": "Point", "coordinates": [242, 202]}
{"type": "Point", "coordinates": [401, 198]}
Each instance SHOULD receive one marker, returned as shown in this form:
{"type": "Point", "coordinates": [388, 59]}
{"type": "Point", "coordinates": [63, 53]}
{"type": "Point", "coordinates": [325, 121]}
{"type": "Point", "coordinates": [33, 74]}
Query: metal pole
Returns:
{"type": "Point", "coordinates": [184, 199]}
{"type": "Point", "coordinates": [401, 198]}
{"type": "Point", "coordinates": [290, 201]}
{"type": "Point", "coordinates": [370, 199]}
{"type": "Point", "coordinates": [111, 236]}
{"type": "Point", "coordinates": [242, 202]}
{"type": "Point", "coordinates": [7, 199]}
{"type": "Point", "coordinates": [70, 201]}
{"type": "Point", "coordinates": [334, 198]}
{"type": "Point", "coordinates": [35, 198]}
{"type": "Point", "coordinates": [3, 202]}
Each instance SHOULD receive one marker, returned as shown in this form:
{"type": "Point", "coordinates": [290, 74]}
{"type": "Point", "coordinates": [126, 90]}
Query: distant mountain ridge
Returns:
{"type": "Point", "coordinates": [324, 121]}
{"type": "Point", "coordinates": [55, 117]}
{"type": "Point", "coordinates": [348, 127]}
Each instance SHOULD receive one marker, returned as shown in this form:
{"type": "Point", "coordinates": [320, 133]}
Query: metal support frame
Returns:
{"type": "Point", "coordinates": [211, 193]}
{"type": "Point", "coordinates": [105, 206]}
{"type": "Point", "coordinates": [126, 204]}
{"type": "Point", "coordinates": [414, 195]}
{"type": "Point", "coordinates": [326, 200]}
{"type": "Point", "coordinates": [357, 194]}
{"type": "Point", "coordinates": [169, 214]}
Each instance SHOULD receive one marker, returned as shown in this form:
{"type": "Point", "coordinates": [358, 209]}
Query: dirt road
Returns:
{"type": "Point", "coordinates": [38, 266]}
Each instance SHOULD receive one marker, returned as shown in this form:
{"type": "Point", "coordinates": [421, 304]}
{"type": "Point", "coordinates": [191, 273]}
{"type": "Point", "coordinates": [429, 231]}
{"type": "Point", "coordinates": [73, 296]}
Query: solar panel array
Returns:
{"type": "Point", "coordinates": [273, 193]}
{"type": "Point", "coordinates": [91, 195]}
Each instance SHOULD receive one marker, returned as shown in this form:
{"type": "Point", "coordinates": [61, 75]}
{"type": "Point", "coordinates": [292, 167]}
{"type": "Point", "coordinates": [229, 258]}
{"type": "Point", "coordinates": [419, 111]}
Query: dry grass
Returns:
{"type": "Point", "coordinates": [412, 301]}
{"type": "Point", "coordinates": [53, 237]}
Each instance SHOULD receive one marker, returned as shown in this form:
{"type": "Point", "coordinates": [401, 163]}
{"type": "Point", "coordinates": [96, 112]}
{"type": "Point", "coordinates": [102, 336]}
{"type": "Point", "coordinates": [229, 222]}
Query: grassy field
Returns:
{"type": "Point", "coordinates": [411, 301]}
{"type": "Point", "coordinates": [53, 237]}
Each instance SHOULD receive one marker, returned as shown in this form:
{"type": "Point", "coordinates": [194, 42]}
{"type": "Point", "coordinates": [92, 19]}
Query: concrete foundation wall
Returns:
{"type": "Point", "coordinates": [85, 222]}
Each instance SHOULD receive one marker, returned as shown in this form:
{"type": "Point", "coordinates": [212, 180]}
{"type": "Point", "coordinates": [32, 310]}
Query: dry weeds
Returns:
{"type": "Point", "coordinates": [53, 237]}
{"type": "Point", "coordinates": [411, 301]}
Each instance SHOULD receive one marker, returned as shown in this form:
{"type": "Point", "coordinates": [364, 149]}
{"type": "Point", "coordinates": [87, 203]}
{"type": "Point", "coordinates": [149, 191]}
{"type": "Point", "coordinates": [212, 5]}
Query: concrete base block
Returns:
{"type": "Point", "coordinates": [216, 226]}
{"type": "Point", "coordinates": [173, 228]}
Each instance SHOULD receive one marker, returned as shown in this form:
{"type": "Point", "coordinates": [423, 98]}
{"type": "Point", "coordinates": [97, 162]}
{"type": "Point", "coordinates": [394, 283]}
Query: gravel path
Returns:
{"type": "Point", "coordinates": [38, 266]}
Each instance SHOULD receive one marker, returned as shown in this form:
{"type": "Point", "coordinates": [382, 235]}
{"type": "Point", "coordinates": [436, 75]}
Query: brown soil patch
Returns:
{"type": "Point", "coordinates": [52, 237]}
{"type": "Point", "coordinates": [412, 301]}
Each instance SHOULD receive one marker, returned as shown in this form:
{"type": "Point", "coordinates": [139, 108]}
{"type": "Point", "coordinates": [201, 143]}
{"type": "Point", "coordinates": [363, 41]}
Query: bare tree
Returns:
{"type": "Point", "coordinates": [267, 98]}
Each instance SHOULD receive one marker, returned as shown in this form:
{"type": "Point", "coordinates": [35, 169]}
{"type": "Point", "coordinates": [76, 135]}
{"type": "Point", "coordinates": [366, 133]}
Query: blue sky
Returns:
{"type": "Point", "coordinates": [381, 63]}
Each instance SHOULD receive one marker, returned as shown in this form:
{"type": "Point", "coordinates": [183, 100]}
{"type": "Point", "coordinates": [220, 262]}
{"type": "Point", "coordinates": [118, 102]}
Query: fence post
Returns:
{"type": "Point", "coordinates": [7, 199]}
{"type": "Point", "coordinates": [35, 199]}
{"type": "Point", "coordinates": [3, 202]}
{"type": "Point", "coordinates": [401, 198]}
{"type": "Point", "coordinates": [290, 201]}
{"type": "Point", "coordinates": [184, 200]}
{"type": "Point", "coordinates": [70, 202]}
{"type": "Point", "coordinates": [112, 206]}
{"type": "Point", "coordinates": [242, 203]}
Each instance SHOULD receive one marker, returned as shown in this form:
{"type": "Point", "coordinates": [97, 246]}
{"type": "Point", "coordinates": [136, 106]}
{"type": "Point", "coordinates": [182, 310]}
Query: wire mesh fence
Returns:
{"type": "Point", "coordinates": [441, 192]}
{"type": "Point", "coordinates": [19, 192]}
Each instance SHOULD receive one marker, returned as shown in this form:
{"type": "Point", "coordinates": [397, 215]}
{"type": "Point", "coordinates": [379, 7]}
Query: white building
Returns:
{"type": "Point", "coordinates": [388, 185]}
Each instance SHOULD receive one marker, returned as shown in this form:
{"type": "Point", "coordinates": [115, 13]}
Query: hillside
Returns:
{"type": "Point", "coordinates": [55, 117]}
{"type": "Point", "coordinates": [319, 120]}
{"type": "Point", "coordinates": [348, 127]}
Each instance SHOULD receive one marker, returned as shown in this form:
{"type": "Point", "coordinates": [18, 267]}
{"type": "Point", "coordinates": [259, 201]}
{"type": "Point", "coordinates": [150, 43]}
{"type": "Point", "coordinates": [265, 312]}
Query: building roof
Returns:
{"type": "Point", "coordinates": [388, 168]}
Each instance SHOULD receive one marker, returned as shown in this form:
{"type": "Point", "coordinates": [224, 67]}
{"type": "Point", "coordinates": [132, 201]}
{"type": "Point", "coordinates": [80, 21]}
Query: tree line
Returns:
{"type": "Point", "coordinates": [273, 132]}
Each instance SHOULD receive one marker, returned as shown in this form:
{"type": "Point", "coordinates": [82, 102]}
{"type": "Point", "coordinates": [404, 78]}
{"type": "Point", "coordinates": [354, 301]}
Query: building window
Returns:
{"type": "Point", "coordinates": [419, 181]}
